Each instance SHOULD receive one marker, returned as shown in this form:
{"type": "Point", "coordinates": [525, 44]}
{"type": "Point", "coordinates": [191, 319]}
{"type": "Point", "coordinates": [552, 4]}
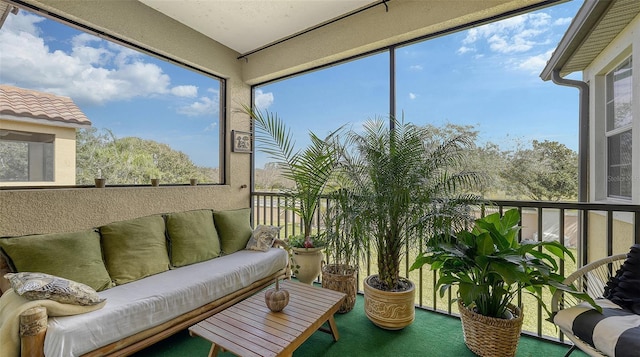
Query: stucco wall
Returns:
{"type": "Point", "coordinates": [59, 210]}
{"type": "Point", "coordinates": [64, 152]}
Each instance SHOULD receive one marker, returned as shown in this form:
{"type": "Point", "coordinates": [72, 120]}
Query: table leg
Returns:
{"type": "Point", "coordinates": [334, 328]}
{"type": "Point", "coordinates": [213, 352]}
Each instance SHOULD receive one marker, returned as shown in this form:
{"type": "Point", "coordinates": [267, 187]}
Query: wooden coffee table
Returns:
{"type": "Point", "coordinates": [249, 328]}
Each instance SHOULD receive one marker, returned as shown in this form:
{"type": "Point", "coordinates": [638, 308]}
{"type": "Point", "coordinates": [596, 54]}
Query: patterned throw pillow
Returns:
{"type": "Point", "coordinates": [39, 286]}
{"type": "Point", "coordinates": [262, 238]}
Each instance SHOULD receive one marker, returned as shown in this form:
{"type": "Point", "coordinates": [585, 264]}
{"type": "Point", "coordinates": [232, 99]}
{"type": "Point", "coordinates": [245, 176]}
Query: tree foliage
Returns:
{"type": "Point", "coordinates": [548, 171]}
{"type": "Point", "coordinates": [132, 160]}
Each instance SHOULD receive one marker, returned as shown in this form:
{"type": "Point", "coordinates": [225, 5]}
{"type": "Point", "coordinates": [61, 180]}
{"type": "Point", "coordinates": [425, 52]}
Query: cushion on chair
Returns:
{"type": "Point", "coordinates": [624, 288]}
{"type": "Point", "coordinates": [615, 332]}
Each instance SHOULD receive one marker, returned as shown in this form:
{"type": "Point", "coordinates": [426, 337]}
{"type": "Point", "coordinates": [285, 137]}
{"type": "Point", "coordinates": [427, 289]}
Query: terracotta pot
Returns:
{"type": "Point", "coordinates": [390, 310]}
{"type": "Point", "coordinates": [155, 182]}
{"type": "Point", "coordinates": [342, 278]}
{"type": "Point", "coordinates": [308, 260]}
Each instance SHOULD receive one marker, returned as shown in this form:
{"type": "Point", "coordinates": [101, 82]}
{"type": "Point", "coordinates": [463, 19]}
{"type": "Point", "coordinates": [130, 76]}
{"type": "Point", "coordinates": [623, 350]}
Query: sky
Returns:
{"type": "Point", "coordinates": [117, 88]}
{"type": "Point", "coordinates": [487, 77]}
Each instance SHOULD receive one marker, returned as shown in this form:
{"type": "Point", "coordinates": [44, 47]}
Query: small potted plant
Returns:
{"type": "Point", "coordinates": [99, 180]}
{"type": "Point", "coordinates": [310, 169]}
{"type": "Point", "coordinates": [490, 268]}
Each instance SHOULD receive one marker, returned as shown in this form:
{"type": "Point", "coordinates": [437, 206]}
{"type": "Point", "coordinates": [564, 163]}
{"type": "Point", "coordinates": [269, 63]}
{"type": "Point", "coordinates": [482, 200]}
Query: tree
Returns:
{"type": "Point", "coordinates": [131, 160]}
{"type": "Point", "coordinates": [547, 172]}
{"type": "Point", "coordinates": [14, 162]}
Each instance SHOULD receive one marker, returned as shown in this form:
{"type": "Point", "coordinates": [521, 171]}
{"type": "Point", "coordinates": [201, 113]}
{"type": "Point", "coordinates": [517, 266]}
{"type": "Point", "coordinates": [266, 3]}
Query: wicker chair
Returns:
{"type": "Point", "coordinates": [592, 279]}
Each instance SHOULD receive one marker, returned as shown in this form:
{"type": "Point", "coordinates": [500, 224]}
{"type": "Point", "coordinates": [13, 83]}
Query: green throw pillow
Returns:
{"type": "Point", "coordinates": [234, 229]}
{"type": "Point", "coordinates": [135, 248]}
{"type": "Point", "coordinates": [192, 236]}
{"type": "Point", "coordinates": [75, 256]}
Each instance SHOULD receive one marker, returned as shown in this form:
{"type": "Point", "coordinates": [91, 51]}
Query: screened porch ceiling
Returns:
{"type": "Point", "coordinates": [249, 25]}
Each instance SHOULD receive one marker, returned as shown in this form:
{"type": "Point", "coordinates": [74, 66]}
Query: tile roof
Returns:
{"type": "Point", "coordinates": [33, 104]}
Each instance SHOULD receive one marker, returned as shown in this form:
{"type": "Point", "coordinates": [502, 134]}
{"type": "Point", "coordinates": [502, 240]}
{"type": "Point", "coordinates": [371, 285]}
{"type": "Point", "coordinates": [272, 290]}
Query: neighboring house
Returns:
{"type": "Point", "coordinates": [38, 138]}
{"type": "Point", "coordinates": [603, 42]}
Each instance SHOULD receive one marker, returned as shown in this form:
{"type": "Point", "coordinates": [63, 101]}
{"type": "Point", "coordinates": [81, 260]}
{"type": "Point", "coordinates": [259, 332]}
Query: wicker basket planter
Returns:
{"type": "Point", "coordinates": [490, 336]}
{"type": "Point", "coordinates": [342, 278]}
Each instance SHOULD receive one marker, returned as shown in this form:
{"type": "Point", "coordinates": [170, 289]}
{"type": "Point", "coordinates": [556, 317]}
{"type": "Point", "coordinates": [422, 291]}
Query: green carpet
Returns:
{"type": "Point", "coordinates": [431, 334]}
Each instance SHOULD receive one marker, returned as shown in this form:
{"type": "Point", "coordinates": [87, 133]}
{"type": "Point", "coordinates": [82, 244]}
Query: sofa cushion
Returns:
{"type": "Point", "coordinates": [614, 332]}
{"type": "Point", "coordinates": [148, 302]}
{"type": "Point", "coordinates": [192, 237]}
{"type": "Point", "coordinates": [76, 256]}
{"type": "Point", "coordinates": [135, 248]}
{"type": "Point", "coordinates": [234, 229]}
{"type": "Point", "coordinates": [263, 237]}
{"type": "Point", "coordinates": [4, 269]}
{"type": "Point", "coordinates": [39, 286]}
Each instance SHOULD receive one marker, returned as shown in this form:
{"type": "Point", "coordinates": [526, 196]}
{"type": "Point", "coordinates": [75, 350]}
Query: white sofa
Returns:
{"type": "Point", "coordinates": [150, 308]}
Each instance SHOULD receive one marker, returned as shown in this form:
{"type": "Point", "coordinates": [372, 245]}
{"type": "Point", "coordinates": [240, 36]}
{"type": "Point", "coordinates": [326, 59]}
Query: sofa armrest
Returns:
{"type": "Point", "coordinates": [33, 328]}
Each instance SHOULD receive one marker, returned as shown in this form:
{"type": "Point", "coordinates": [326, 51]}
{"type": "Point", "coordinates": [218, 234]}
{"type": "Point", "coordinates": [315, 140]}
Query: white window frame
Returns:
{"type": "Point", "coordinates": [611, 132]}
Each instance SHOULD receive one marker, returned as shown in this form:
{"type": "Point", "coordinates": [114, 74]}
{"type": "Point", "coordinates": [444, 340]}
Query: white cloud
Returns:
{"type": "Point", "coordinates": [535, 64]}
{"type": "Point", "coordinates": [562, 21]}
{"type": "Point", "coordinates": [211, 127]}
{"type": "Point", "coordinates": [263, 100]}
{"type": "Point", "coordinates": [464, 49]}
{"type": "Point", "coordinates": [203, 106]}
{"type": "Point", "coordinates": [185, 91]}
{"type": "Point", "coordinates": [522, 42]}
{"type": "Point", "coordinates": [91, 71]}
{"type": "Point", "coordinates": [413, 96]}
{"type": "Point", "coordinates": [513, 35]}
{"type": "Point", "coordinates": [416, 67]}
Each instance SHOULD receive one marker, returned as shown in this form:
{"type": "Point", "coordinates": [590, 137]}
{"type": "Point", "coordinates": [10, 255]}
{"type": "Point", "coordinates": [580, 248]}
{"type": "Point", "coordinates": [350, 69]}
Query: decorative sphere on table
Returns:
{"type": "Point", "coordinates": [276, 298]}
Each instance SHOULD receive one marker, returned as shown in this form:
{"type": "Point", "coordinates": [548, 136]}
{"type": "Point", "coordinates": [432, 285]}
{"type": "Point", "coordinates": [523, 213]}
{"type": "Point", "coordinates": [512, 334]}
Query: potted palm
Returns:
{"type": "Point", "coordinates": [344, 246]}
{"type": "Point", "coordinates": [310, 169]}
{"type": "Point", "coordinates": [490, 268]}
{"type": "Point", "coordinates": [406, 185]}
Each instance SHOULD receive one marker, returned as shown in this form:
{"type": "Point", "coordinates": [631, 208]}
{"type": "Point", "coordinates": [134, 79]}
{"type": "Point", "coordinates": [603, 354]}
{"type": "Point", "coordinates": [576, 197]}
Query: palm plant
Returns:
{"type": "Point", "coordinates": [310, 169]}
{"type": "Point", "coordinates": [405, 188]}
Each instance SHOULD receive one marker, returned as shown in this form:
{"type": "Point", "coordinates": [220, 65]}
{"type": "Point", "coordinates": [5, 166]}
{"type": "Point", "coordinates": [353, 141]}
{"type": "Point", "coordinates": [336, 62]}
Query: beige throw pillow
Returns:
{"type": "Point", "coordinates": [40, 286]}
{"type": "Point", "coordinates": [262, 238]}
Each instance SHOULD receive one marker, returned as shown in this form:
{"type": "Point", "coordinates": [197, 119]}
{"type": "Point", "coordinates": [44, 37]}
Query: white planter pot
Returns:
{"type": "Point", "coordinates": [309, 261]}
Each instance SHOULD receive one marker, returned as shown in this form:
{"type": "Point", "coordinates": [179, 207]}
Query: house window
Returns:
{"type": "Point", "coordinates": [25, 156]}
{"type": "Point", "coordinates": [618, 130]}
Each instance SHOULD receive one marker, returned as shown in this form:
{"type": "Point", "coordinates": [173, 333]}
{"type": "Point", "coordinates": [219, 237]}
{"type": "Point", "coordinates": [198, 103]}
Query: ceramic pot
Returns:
{"type": "Point", "coordinates": [306, 263]}
{"type": "Point", "coordinates": [390, 310]}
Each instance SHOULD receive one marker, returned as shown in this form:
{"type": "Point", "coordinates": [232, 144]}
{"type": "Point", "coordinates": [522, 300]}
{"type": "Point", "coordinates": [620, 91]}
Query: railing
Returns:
{"type": "Point", "coordinates": [591, 230]}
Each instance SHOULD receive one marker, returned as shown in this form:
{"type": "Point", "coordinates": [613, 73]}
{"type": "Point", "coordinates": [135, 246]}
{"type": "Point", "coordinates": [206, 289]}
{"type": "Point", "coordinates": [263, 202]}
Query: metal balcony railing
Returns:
{"type": "Point", "coordinates": [591, 230]}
